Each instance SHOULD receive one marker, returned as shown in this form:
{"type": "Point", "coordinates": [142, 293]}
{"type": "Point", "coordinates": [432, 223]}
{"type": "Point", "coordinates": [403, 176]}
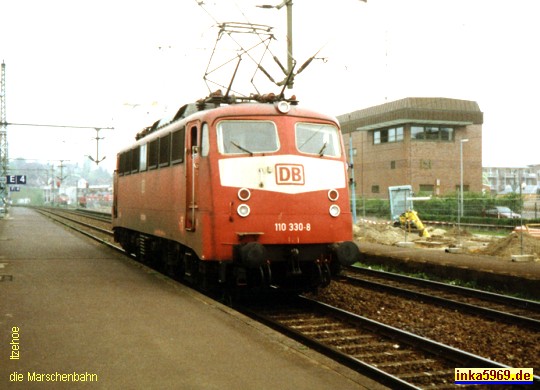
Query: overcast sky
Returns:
{"type": "Point", "coordinates": [106, 63]}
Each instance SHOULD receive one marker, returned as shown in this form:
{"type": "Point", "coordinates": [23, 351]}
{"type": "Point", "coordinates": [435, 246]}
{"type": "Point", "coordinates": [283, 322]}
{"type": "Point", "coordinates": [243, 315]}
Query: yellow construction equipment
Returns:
{"type": "Point", "coordinates": [410, 220]}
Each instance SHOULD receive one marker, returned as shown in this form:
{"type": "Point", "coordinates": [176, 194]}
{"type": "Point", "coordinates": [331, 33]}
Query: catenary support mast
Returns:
{"type": "Point", "coordinates": [3, 136]}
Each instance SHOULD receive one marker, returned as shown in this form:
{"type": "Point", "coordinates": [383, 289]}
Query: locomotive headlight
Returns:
{"type": "Point", "coordinates": [244, 194]}
{"type": "Point", "coordinates": [333, 195]}
{"type": "Point", "coordinates": [334, 210]}
{"type": "Point", "coordinates": [243, 210]}
{"type": "Point", "coordinates": [283, 107]}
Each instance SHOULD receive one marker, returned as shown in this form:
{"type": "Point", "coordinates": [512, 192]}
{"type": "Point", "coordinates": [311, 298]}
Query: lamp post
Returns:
{"type": "Point", "coordinates": [460, 205]}
{"type": "Point", "coordinates": [352, 181]}
{"type": "Point", "coordinates": [521, 212]}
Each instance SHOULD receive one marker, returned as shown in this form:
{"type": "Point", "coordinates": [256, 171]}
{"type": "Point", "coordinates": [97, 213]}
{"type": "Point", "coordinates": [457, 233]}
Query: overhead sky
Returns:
{"type": "Point", "coordinates": [106, 63]}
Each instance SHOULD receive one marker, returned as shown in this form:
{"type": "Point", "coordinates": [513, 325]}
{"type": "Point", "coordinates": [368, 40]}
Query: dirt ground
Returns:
{"type": "Point", "coordinates": [482, 244]}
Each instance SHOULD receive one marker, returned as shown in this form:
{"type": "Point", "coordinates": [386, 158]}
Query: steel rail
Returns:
{"type": "Point", "coordinates": [58, 213]}
{"type": "Point", "coordinates": [529, 310]}
{"type": "Point", "coordinates": [435, 353]}
{"type": "Point", "coordinates": [57, 217]}
{"type": "Point", "coordinates": [490, 296]}
{"type": "Point", "coordinates": [97, 215]}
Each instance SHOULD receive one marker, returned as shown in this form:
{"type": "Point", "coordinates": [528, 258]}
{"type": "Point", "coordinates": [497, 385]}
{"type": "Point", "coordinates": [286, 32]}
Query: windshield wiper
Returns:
{"type": "Point", "coordinates": [321, 152]}
{"type": "Point", "coordinates": [242, 148]}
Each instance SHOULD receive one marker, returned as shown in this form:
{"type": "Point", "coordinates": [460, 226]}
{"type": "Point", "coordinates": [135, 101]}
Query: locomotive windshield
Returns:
{"type": "Point", "coordinates": [240, 137]}
{"type": "Point", "coordinates": [319, 139]}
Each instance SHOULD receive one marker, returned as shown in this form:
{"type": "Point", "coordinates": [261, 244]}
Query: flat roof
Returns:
{"type": "Point", "coordinates": [443, 111]}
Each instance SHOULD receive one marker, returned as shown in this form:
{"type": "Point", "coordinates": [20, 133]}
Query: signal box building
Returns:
{"type": "Point", "coordinates": [415, 141]}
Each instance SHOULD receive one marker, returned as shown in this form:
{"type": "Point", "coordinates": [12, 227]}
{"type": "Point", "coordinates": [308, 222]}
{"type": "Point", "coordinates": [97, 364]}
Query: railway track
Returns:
{"type": "Point", "coordinates": [498, 307]}
{"type": "Point", "coordinates": [83, 223]}
{"type": "Point", "coordinates": [394, 357]}
{"type": "Point", "coordinates": [97, 215]}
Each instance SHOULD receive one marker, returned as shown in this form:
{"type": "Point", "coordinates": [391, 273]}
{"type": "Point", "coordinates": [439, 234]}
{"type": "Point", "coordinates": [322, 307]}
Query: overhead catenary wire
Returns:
{"type": "Point", "coordinates": [265, 36]}
{"type": "Point", "coordinates": [62, 126]}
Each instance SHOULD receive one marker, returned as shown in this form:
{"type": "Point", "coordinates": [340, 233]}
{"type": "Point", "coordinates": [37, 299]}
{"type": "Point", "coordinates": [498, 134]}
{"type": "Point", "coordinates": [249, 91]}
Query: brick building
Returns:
{"type": "Point", "coordinates": [416, 141]}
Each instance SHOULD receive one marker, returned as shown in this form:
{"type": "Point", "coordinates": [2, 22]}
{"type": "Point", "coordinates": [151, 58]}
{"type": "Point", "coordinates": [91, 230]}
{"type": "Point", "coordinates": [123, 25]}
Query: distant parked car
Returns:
{"type": "Point", "coordinates": [502, 212]}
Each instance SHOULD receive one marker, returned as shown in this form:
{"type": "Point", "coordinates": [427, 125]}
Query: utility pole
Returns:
{"type": "Point", "coordinates": [97, 160]}
{"type": "Point", "coordinates": [57, 182]}
{"type": "Point", "coordinates": [3, 136]}
{"type": "Point", "coordinates": [290, 58]}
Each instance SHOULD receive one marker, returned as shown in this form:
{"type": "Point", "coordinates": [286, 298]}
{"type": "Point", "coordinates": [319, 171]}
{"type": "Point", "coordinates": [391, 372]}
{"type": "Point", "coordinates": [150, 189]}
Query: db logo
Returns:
{"type": "Point", "coordinates": [290, 174]}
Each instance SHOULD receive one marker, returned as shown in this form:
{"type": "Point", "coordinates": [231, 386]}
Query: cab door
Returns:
{"type": "Point", "coordinates": [192, 173]}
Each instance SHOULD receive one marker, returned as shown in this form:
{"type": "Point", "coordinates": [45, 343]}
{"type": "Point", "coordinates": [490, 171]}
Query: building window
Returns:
{"type": "Point", "coordinates": [392, 165]}
{"type": "Point", "coordinates": [446, 134]}
{"type": "Point", "coordinates": [394, 134]}
{"type": "Point", "coordinates": [465, 188]}
{"type": "Point", "coordinates": [432, 133]}
{"type": "Point", "coordinates": [427, 188]}
{"type": "Point", "coordinates": [375, 189]}
{"type": "Point", "coordinates": [425, 164]}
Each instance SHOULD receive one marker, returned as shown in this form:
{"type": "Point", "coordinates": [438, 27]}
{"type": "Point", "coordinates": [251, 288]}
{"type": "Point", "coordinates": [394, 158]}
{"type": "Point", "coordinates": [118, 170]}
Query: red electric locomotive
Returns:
{"type": "Point", "coordinates": [247, 193]}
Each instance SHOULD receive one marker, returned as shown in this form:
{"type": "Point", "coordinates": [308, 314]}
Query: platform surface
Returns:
{"type": "Point", "coordinates": [72, 309]}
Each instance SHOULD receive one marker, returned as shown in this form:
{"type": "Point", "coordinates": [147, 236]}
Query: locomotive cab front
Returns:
{"type": "Point", "coordinates": [281, 208]}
